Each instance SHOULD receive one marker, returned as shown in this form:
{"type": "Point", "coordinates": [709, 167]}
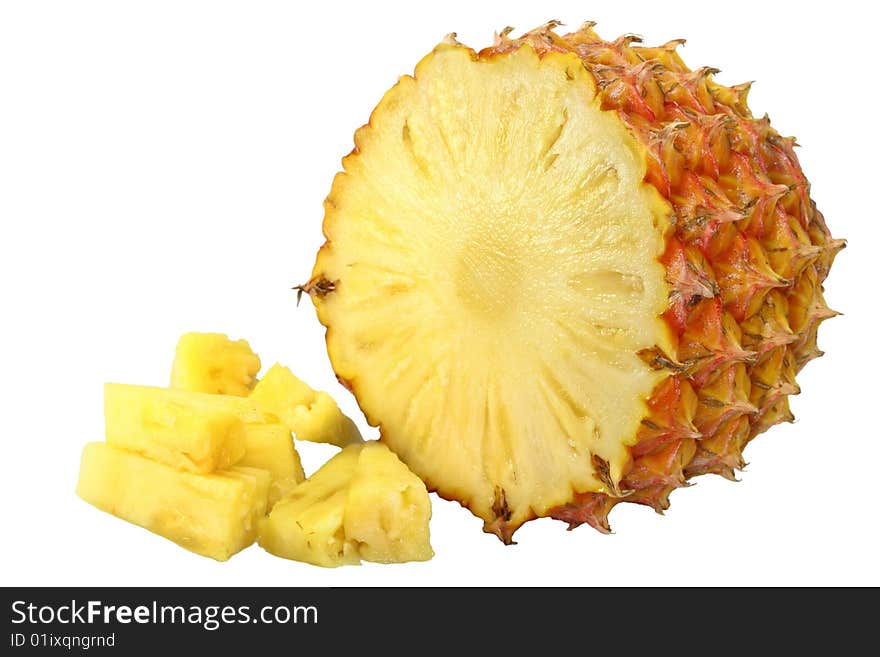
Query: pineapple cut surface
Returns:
{"type": "Point", "coordinates": [211, 362]}
{"type": "Point", "coordinates": [307, 524]}
{"type": "Point", "coordinates": [363, 504]}
{"type": "Point", "coordinates": [270, 447]}
{"type": "Point", "coordinates": [188, 430]}
{"type": "Point", "coordinates": [489, 306]}
{"type": "Point", "coordinates": [215, 515]}
{"type": "Point", "coordinates": [321, 421]}
{"type": "Point", "coordinates": [311, 415]}
{"type": "Point", "coordinates": [562, 272]}
{"type": "Point", "coordinates": [388, 509]}
{"type": "Point", "coordinates": [260, 479]}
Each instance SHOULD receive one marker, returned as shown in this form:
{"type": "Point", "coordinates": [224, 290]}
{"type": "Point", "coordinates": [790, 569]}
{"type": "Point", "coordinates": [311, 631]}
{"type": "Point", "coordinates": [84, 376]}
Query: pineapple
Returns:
{"type": "Point", "coordinates": [187, 430]}
{"type": "Point", "coordinates": [211, 362]}
{"type": "Point", "coordinates": [388, 509]}
{"type": "Point", "coordinates": [307, 524]}
{"type": "Point", "coordinates": [215, 515]}
{"type": "Point", "coordinates": [270, 447]}
{"type": "Point", "coordinates": [562, 272]}
{"type": "Point", "coordinates": [322, 422]}
{"type": "Point", "coordinates": [311, 415]}
{"type": "Point", "coordinates": [362, 504]}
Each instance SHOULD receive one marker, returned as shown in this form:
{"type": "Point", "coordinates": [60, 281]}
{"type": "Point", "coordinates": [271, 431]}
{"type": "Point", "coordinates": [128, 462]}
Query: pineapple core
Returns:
{"type": "Point", "coordinates": [490, 274]}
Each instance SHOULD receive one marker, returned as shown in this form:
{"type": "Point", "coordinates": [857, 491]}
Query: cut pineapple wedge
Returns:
{"type": "Point", "coordinates": [322, 422]}
{"type": "Point", "coordinates": [308, 524]}
{"type": "Point", "coordinates": [311, 415]}
{"type": "Point", "coordinates": [211, 362]}
{"type": "Point", "coordinates": [192, 431]}
{"type": "Point", "coordinates": [215, 515]}
{"type": "Point", "coordinates": [270, 447]}
{"type": "Point", "coordinates": [490, 275]}
{"type": "Point", "coordinates": [388, 509]}
{"type": "Point", "coordinates": [362, 504]}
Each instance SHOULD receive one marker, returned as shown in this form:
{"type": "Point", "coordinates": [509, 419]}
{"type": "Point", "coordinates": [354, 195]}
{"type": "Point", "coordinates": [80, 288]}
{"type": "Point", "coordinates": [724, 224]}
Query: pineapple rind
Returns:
{"type": "Point", "coordinates": [745, 264]}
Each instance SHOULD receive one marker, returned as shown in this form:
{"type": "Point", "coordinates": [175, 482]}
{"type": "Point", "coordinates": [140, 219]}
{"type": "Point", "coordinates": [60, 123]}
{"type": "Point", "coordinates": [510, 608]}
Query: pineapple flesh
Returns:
{"type": "Point", "coordinates": [321, 421]}
{"type": "Point", "coordinates": [307, 524]}
{"type": "Point", "coordinates": [388, 509]}
{"type": "Point", "coordinates": [211, 362]}
{"type": "Point", "coordinates": [192, 431]}
{"type": "Point", "coordinates": [528, 337]}
{"type": "Point", "coordinates": [270, 447]}
{"type": "Point", "coordinates": [363, 504]}
{"type": "Point", "coordinates": [562, 273]}
{"type": "Point", "coordinates": [215, 515]}
{"type": "Point", "coordinates": [311, 415]}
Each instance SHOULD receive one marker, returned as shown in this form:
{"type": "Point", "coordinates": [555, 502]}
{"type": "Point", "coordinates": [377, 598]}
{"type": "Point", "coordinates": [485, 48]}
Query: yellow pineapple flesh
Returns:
{"type": "Point", "coordinates": [363, 504]}
{"type": "Point", "coordinates": [497, 346]}
{"type": "Point", "coordinates": [270, 447]}
{"type": "Point", "coordinates": [307, 524]}
{"type": "Point", "coordinates": [215, 515]}
{"type": "Point", "coordinates": [188, 430]}
{"type": "Point", "coordinates": [311, 415]}
{"type": "Point", "coordinates": [564, 272]}
{"type": "Point", "coordinates": [388, 509]}
{"type": "Point", "coordinates": [211, 362]}
{"type": "Point", "coordinates": [321, 421]}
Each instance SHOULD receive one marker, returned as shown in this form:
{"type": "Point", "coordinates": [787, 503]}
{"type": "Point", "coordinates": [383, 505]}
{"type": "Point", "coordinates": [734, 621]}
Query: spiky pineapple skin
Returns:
{"type": "Point", "coordinates": [745, 265]}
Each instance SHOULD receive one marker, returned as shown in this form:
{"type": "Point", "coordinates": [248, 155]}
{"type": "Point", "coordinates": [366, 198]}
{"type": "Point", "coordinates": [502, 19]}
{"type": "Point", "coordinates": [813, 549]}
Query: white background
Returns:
{"type": "Point", "coordinates": [162, 167]}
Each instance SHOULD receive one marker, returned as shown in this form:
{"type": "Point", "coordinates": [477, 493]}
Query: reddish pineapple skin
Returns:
{"type": "Point", "coordinates": [745, 265]}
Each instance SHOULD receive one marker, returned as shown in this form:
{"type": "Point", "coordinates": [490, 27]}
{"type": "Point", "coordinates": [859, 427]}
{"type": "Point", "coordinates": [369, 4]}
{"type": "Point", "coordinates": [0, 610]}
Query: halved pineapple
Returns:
{"type": "Point", "coordinates": [270, 447]}
{"type": "Point", "coordinates": [211, 362]}
{"type": "Point", "coordinates": [215, 515]}
{"type": "Point", "coordinates": [362, 504]}
{"type": "Point", "coordinates": [490, 276]}
{"type": "Point", "coordinates": [311, 415]}
{"type": "Point", "coordinates": [192, 431]}
{"type": "Point", "coordinates": [563, 272]}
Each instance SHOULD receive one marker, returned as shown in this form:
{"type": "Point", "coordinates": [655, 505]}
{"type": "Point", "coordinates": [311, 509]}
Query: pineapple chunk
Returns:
{"type": "Point", "coordinates": [262, 482]}
{"type": "Point", "coordinates": [215, 515]}
{"type": "Point", "coordinates": [362, 504]}
{"type": "Point", "coordinates": [307, 524]}
{"type": "Point", "coordinates": [270, 447]}
{"type": "Point", "coordinates": [310, 414]}
{"type": "Point", "coordinates": [388, 509]}
{"type": "Point", "coordinates": [192, 431]}
{"type": "Point", "coordinates": [211, 362]}
{"type": "Point", "coordinates": [321, 419]}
